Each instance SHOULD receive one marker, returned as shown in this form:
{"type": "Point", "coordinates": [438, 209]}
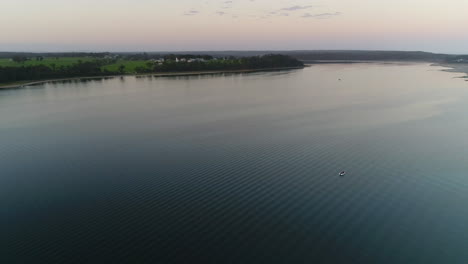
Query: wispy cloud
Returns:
{"type": "Point", "coordinates": [227, 4]}
{"type": "Point", "coordinates": [321, 16]}
{"type": "Point", "coordinates": [227, 9]}
{"type": "Point", "coordinates": [296, 7]}
{"type": "Point", "coordinates": [192, 12]}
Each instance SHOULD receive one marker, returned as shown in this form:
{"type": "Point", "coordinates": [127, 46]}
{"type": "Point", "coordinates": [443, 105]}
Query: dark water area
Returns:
{"type": "Point", "coordinates": [238, 168]}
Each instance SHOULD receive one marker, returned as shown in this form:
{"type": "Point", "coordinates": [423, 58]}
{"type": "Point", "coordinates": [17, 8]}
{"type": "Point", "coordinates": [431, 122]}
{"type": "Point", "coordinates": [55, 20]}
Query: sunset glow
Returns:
{"type": "Point", "coordinates": [124, 25]}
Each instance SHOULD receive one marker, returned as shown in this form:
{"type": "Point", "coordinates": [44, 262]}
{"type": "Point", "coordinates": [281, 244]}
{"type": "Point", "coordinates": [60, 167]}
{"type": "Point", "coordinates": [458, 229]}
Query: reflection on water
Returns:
{"type": "Point", "coordinates": [238, 168]}
{"type": "Point", "coordinates": [74, 81]}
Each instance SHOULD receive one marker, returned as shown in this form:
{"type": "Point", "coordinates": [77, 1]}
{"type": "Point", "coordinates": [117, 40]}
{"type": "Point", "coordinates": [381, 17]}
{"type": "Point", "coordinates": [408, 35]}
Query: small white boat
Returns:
{"type": "Point", "coordinates": [343, 173]}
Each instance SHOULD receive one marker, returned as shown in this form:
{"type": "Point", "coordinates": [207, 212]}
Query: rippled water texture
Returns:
{"type": "Point", "coordinates": [238, 168]}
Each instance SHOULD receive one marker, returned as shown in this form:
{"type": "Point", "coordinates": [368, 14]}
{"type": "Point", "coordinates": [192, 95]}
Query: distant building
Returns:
{"type": "Point", "coordinates": [177, 59]}
{"type": "Point", "coordinates": [196, 59]}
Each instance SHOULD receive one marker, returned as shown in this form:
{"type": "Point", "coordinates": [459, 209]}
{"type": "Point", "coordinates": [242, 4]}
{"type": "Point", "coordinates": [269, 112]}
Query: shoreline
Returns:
{"type": "Point", "coordinates": [160, 74]}
{"type": "Point", "coordinates": [455, 67]}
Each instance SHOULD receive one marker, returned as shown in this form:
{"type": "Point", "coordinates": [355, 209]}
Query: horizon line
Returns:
{"type": "Point", "coordinates": [235, 50]}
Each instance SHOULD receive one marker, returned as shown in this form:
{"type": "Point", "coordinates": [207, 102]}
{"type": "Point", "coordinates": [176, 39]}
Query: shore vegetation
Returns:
{"type": "Point", "coordinates": [21, 68]}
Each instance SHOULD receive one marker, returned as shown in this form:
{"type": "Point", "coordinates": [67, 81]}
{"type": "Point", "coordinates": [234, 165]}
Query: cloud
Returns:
{"type": "Point", "coordinates": [296, 7]}
{"type": "Point", "coordinates": [322, 15]}
{"type": "Point", "coordinates": [227, 4]}
{"type": "Point", "coordinates": [192, 13]}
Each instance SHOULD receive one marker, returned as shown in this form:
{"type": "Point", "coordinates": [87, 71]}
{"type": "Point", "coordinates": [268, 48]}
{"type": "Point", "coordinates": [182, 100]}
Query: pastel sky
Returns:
{"type": "Point", "coordinates": [175, 25]}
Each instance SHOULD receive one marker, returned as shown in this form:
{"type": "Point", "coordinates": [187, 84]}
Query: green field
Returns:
{"type": "Point", "coordinates": [67, 61]}
{"type": "Point", "coordinates": [60, 61]}
{"type": "Point", "coordinates": [129, 65]}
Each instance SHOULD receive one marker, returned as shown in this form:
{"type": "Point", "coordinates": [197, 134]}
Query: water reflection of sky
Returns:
{"type": "Point", "coordinates": [239, 168]}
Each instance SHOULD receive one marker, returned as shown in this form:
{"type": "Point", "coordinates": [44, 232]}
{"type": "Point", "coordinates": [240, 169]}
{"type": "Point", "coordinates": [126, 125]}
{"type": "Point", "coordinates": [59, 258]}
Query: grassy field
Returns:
{"type": "Point", "coordinates": [129, 65]}
{"type": "Point", "coordinates": [66, 61]}
{"type": "Point", "coordinates": [61, 61]}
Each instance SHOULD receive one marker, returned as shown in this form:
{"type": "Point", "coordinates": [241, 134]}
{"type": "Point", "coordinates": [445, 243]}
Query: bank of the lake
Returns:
{"type": "Point", "coordinates": [455, 67]}
{"type": "Point", "coordinates": [158, 74]}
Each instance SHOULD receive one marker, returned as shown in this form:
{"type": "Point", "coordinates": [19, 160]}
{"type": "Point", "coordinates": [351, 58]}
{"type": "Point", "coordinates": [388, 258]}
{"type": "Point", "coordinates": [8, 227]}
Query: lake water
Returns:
{"type": "Point", "coordinates": [238, 168]}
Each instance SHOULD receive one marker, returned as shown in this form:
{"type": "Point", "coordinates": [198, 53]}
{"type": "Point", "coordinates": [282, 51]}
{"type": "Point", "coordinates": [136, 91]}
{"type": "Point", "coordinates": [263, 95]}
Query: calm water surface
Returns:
{"type": "Point", "coordinates": [238, 168]}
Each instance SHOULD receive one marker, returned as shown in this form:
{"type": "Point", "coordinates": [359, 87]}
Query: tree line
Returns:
{"type": "Point", "coordinates": [41, 72]}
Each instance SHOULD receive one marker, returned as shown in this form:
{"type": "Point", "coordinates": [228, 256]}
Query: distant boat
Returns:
{"type": "Point", "coordinates": [343, 173]}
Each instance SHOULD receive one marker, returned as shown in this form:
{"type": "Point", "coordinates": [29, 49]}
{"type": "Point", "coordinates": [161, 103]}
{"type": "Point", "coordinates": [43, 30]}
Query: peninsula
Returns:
{"type": "Point", "coordinates": [21, 69]}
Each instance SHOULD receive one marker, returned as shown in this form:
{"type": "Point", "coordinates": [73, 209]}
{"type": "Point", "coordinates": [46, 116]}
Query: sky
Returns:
{"type": "Point", "coordinates": [188, 25]}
